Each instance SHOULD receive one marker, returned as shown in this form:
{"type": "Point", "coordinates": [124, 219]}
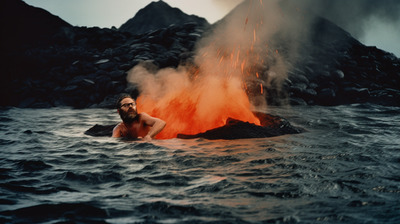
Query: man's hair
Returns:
{"type": "Point", "coordinates": [122, 96]}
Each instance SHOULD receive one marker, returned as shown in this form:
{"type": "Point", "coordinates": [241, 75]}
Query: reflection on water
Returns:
{"type": "Point", "coordinates": [343, 169]}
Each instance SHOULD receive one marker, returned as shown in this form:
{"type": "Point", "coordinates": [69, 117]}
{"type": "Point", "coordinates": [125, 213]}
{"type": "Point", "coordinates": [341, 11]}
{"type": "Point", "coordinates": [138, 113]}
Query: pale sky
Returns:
{"type": "Point", "coordinates": [108, 13]}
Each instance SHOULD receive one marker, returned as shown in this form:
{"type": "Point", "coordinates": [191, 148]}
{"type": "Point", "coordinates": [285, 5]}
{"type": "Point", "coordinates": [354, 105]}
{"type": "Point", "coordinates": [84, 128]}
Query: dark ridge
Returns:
{"type": "Point", "coordinates": [48, 63]}
{"type": "Point", "coordinates": [157, 15]}
{"type": "Point", "coordinates": [23, 25]}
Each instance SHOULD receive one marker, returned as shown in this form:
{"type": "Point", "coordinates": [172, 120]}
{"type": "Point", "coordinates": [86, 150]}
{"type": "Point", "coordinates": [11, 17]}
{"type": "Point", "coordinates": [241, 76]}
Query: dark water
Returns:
{"type": "Point", "coordinates": [344, 169]}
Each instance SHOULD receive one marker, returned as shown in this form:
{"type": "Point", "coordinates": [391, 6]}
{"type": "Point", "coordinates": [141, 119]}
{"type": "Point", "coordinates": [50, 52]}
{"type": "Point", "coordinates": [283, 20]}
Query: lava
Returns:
{"type": "Point", "coordinates": [226, 72]}
{"type": "Point", "coordinates": [193, 106]}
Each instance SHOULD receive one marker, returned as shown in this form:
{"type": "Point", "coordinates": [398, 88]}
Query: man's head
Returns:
{"type": "Point", "coordinates": [126, 106]}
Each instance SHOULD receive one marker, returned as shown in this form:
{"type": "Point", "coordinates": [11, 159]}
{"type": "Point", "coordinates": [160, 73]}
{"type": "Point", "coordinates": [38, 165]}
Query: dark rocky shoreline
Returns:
{"type": "Point", "coordinates": [85, 67]}
{"type": "Point", "coordinates": [88, 66]}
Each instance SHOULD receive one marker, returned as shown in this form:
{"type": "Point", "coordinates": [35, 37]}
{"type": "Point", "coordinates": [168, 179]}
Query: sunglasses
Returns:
{"type": "Point", "coordinates": [126, 105]}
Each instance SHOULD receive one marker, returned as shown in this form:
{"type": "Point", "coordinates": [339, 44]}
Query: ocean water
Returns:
{"type": "Point", "coordinates": [344, 169]}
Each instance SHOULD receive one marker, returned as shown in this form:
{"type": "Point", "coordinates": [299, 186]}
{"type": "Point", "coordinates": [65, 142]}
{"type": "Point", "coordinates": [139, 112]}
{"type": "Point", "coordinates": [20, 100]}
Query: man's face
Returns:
{"type": "Point", "coordinates": [127, 110]}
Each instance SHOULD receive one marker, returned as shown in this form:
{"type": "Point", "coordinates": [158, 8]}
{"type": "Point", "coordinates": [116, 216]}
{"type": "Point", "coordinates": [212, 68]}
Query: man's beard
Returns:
{"type": "Point", "coordinates": [129, 116]}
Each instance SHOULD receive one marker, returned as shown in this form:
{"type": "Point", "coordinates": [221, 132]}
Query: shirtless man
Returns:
{"type": "Point", "coordinates": [135, 125]}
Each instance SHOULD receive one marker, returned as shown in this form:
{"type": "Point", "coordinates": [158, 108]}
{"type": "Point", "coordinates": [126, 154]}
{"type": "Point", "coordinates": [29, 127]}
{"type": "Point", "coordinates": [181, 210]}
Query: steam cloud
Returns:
{"type": "Point", "coordinates": [241, 58]}
{"type": "Point", "coordinates": [355, 15]}
{"type": "Point", "coordinates": [242, 47]}
{"type": "Point", "coordinates": [232, 66]}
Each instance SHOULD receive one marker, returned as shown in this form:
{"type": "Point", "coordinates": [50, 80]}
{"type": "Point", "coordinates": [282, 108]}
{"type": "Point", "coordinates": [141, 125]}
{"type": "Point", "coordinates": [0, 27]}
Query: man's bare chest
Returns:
{"type": "Point", "coordinates": [136, 130]}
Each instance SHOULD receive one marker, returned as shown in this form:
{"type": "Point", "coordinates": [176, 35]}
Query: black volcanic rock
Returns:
{"type": "Point", "coordinates": [159, 15]}
{"type": "Point", "coordinates": [46, 62]}
{"type": "Point", "coordinates": [23, 25]}
{"type": "Point", "coordinates": [23, 28]}
{"type": "Point", "coordinates": [341, 70]}
{"type": "Point", "coordinates": [271, 126]}
{"type": "Point", "coordinates": [100, 130]}
{"type": "Point", "coordinates": [82, 67]}
{"type": "Point", "coordinates": [326, 65]}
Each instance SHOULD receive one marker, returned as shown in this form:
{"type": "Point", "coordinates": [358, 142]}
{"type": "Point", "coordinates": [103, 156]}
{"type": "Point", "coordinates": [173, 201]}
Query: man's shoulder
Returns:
{"type": "Point", "coordinates": [118, 126]}
{"type": "Point", "coordinates": [117, 130]}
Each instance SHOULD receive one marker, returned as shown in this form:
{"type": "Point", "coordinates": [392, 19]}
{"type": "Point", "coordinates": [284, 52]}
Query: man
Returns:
{"type": "Point", "coordinates": [135, 125]}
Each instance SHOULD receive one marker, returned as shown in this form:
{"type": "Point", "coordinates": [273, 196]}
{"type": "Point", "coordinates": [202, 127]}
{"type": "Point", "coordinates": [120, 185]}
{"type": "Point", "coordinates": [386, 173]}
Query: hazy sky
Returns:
{"type": "Point", "coordinates": [107, 13]}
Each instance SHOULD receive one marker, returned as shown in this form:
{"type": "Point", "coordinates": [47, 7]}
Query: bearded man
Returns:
{"type": "Point", "coordinates": [135, 125]}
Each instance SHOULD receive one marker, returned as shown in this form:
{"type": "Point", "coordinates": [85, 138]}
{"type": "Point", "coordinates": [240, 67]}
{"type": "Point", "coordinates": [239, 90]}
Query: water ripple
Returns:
{"type": "Point", "coordinates": [342, 170]}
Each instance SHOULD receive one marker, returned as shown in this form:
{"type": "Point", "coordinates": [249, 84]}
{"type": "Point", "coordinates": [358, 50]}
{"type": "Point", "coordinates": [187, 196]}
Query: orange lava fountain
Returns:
{"type": "Point", "coordinates": [196, 99]}
{"type": "Point", "coordinates": [191, 107]}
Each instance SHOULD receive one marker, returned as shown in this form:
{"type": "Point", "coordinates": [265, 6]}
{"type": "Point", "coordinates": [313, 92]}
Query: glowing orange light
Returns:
{"type": "Point", "coordinates": [220, 60]}
{"type": "Point", "coordinates": [242, 66]}
{"type": "Point", "coordinates": [199, 106]}
{"type": "Point", "coordinates": [217, 87]}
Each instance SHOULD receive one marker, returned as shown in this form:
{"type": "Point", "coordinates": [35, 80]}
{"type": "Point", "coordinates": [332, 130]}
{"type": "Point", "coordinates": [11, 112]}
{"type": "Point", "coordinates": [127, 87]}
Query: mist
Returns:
{"type": "Point", "coordinates": [371, 22]}
{"type": "Point", "coordinates": [226, 78]}
{"type": "Point", "coordinates": [242, 62]}
{"type": "Point", "coordinates": [234, 65]}
{"type": "Point", "coordinates": [374, 23]}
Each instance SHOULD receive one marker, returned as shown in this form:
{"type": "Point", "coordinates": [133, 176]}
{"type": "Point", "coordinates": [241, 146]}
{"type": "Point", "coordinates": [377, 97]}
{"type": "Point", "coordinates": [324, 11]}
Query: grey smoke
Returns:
{"type": "Point", "coordinates": [352, 15]}
{"type": "Point", "coordinates": [373, 22]}
{"type": "Point", "coordinates": [357, 17]}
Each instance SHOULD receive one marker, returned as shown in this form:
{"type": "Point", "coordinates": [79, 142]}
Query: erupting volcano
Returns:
{"type": "Point", "coordinates": [225, 79]}
{"type": "Point", "coordinates": [194, 104]}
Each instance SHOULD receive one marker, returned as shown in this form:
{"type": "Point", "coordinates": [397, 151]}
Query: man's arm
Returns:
{"type": "Point", "coordinates": [156, 124]}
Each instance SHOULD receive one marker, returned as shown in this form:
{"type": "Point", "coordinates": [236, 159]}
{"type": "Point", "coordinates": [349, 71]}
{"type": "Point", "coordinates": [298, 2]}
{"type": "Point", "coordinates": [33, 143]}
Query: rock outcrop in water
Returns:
{"type": "Point", "coordinates": [99, 130]}
{"type": "Point", "coordinates": [271, 126]}
{"type": "Point", "coordinates": [62, 65]}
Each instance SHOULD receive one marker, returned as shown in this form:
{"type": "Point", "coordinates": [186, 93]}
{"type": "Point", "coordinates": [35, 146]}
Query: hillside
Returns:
{"type": "Point", "coordinates": [48, 62]}
{"type": "Point", "coordinates": [157, 15]}
{"type": "Point", "coordinates": [24, 25]}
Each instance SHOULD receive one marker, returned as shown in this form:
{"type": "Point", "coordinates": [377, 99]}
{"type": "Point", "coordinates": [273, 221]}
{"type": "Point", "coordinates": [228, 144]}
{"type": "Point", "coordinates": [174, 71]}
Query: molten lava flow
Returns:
{"type": "Point", "coordinates": [194, 106]}
{"type": "Point", "coordinates": [227, 70]}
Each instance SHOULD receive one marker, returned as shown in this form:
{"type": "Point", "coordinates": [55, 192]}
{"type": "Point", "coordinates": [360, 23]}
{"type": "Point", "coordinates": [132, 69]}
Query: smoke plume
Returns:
{"type": "Point", "coordinates": [354, 16]}
{"type": "Point", "coordinates": [242, 61]}
{"type": "Point", "coordinates": [233, 65]}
